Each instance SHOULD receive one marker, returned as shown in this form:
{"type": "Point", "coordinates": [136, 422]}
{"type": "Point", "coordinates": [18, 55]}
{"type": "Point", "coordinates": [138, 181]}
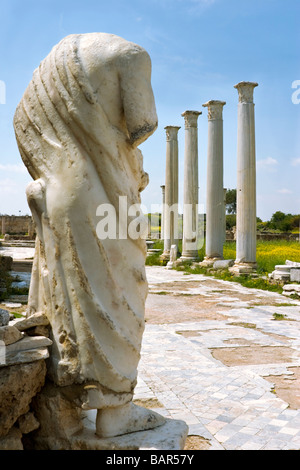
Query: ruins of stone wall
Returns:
{"type": "Point", "coordinates": [23, 352]}
{"type": "Point", "coordinates": [17, 225]}
{"type": "Point", "coordinates": [267, 236]}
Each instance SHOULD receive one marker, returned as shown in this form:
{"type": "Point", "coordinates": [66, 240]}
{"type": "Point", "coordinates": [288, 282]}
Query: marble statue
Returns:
{"type": "Point", "coordinates": [89, 105]}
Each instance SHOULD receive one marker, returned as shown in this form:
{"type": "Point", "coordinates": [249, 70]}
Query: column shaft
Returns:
{"type": "Point", "coordinates": [162, 219]}
{"type": "Point", "coordinates": [190, 197]}
{"type": "Point", "coordinates": [170, 209]}
{"type": "Point", "coordinates": [215, 188]}
{"type": "Point", "coordinates": [246, 181]}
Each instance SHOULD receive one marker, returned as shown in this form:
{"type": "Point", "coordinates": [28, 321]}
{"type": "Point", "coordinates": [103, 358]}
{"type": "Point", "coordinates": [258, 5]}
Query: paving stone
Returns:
{"type": "Point", "coordinates": [234, 406]}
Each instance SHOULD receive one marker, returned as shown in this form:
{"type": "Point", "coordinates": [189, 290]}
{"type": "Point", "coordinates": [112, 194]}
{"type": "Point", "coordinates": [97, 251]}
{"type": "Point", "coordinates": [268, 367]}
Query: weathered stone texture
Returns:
{"type": "Point", "coordinates": [18, 385]}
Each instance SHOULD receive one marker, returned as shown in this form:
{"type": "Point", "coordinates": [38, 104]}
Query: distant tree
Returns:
{"type": "Point", "coordinates": [277, 217]}
{"type": "Point", "coordinates": [284, 222]}
{"type": "Point", "coordinates": [230, 221]}
{"type": "Point", "coordinates": [295, 222]}
{"type": "Point", "coordinates": [231, 201]}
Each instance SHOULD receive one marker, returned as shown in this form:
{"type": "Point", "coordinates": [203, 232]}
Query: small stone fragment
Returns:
{"type": "Point", "coordinates": [37, 319]}
{"type": "Point", "coordinates": [10, 334]}
{"type": "Point", "coordinates": [4, 317]}
{"type": "Point", "coordinates": [38, 331]}
{"type": "Point", "coordinates": [28, 423]}
{"type": "Point", "coordinates": [12, 441]}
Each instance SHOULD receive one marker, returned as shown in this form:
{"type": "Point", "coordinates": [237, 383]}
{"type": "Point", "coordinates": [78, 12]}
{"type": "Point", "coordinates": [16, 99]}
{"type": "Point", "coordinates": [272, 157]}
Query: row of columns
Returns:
{"type": "Point", "coordinates": [215, 204]}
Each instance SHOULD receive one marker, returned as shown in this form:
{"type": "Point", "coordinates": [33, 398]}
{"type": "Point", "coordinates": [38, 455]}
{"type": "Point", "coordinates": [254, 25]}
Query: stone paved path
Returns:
{"type": "Point", "coordinates": [210, 366]}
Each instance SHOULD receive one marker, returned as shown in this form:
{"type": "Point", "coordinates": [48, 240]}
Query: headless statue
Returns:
{"type": "Point", "coordinates": [88, 107]}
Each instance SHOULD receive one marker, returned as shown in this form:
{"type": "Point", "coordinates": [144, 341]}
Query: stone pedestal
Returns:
{"type": "Point", "coordinates": [282, 272]}
{"type": "Point", "coordinates": [170, 210]}
{"type": "Point", "coordinates": [173, 257]}
{"type": "Point", "coordinates": [65, 426]}
{"type": "Point", "coordinates": [246, 182]}
{"type": "Point", "coordinates": [214, 190]}
{"type": "Point", "coordinates": [190, 198]}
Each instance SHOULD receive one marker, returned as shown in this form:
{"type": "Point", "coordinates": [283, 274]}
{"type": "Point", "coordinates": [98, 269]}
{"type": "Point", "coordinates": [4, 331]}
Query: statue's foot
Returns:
{"type": "Point", "coordinates": [125, 419]}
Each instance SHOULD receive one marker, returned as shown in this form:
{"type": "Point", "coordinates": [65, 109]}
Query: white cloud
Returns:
{"type": "Point", "coordinates": [13, 168]}
{"type": "Point", "coordinates": [284, 191]}
{"type": "Point", "coordinates": [268, 164]}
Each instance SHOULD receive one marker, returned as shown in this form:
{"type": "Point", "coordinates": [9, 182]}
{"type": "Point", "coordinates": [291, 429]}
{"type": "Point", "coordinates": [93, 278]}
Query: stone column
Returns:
{"type": "Point", "coordinates": [215, 189]}
{"type": "Point", "coordinates": [190, 196]}
{"type": "Point", "coordinates": [246, 181]}
{"type": "Point", "coordinates": [162, 219]}
{"type": "Point", "coordinates": [170, 229]}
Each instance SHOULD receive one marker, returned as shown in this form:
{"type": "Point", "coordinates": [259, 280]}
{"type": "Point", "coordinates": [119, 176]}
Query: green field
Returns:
{"type": "Point", "coordinates": [269, 253]}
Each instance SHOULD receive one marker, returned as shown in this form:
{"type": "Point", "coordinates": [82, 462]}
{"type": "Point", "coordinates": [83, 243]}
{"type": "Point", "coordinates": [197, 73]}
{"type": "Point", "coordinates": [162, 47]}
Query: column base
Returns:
{"type": "Point", "coordinates": [171, 264]}
{"type": "Point", "coordinates": [165, 256]}
{"type": "Point", "coordinates": [194, 259]}
{"type": "Point", "coordinates": [189, 256]}
{"type": "Point", "coordinates": [243, 268]}
{"type": "Point", "coordinates": [209, 262]}
{"type": "Point", "coordinates": [65, 425]}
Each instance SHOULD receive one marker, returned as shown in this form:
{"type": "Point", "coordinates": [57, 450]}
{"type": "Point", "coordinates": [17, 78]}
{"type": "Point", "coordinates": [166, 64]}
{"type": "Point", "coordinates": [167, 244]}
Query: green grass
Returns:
{"type": "Point", "coordinates": [269, 254]}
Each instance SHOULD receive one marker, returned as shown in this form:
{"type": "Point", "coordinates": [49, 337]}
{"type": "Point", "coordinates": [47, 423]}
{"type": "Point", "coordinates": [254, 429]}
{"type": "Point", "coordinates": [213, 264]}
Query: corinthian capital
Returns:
{"type": "Point", "coordinates": [214, 109]}
{"type": "Point", "coordinates": [190, 118]}
{"type": "Point", "coordinates": [245, 90]}
{"type": "Point", "coordinates": [171, 132]}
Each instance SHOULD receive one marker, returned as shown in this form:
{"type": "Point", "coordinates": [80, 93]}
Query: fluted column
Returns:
{"type": "Point", "coordinates": [214, 189]}
{"type": "Point", "coordinates": [190, 196]}
{"type": "Point", "coordinates": [170, 210]}
{"type": "Point", "coordinates": [246, 181]}
{"type": "Point", "coordinates": [162, 219]}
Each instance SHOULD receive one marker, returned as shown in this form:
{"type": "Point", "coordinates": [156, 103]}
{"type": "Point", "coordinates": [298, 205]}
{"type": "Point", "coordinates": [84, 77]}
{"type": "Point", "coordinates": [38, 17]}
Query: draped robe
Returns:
{"type": "Point", "coordinates": [88, 106]}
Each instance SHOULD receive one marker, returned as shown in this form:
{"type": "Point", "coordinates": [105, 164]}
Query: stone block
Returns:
{"type": "Point", "coordinates": [28, 423]}
{"type": "Point", "coordinates": [24, 357]}
{"type": "Point", "coordinates": [37, 319]}
{"type": "Point", "coordinates": [65, 426]}
{"type": "Point", "coordinates": [9, 335]}
{"type": "Point", "coordinates": [12, 441]}
{"type": "Point", "coordinates": [4, 317]}
{"type": "Point", "coordinates": [29, 342]}
{"type": "Point", "coordinates": [292, 263]}
{"type": "Point", "coordinates": [291, 288]}
{"type": "Point", "coordinates": [295, 274]}
{"type": "Point", "coordinates": [223, 263]}
{"type": "Point", "coordinates": [170, 436]}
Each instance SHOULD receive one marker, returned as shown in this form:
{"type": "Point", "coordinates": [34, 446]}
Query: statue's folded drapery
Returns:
{"type": "Point", "coordinates": [81, 156]}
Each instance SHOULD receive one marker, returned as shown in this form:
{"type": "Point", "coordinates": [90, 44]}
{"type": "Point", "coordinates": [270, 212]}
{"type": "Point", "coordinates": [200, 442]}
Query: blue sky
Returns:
{"type": "Point", "coordinates": [199, 50]}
